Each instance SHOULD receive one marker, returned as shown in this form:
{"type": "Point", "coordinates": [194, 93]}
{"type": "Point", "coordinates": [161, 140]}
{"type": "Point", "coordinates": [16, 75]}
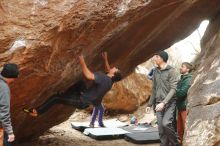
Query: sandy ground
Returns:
{"type": "Point", "coordinates": [64, 135]}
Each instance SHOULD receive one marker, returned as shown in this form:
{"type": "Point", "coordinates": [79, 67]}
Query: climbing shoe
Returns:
{"type": "Point", "coordinates": [91, 125]}
{"type": "Point", "coordinates": [102, 125]}
{"type": "Point", "coordinates": [32, 112]}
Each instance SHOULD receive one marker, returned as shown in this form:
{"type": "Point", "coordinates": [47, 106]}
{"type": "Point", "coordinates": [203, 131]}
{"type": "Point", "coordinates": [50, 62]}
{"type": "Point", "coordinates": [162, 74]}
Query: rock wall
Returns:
{"type": "Point", "coordinates": [45, 37]}
{"type": "Point", "coordinates": [203, 121]}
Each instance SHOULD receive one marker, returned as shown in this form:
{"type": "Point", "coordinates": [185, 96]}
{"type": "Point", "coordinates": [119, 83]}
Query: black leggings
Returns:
{"type": "Point", "coordinates": [70, 97]}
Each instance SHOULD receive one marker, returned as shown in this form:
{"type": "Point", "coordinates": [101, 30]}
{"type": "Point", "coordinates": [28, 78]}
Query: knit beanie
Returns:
{"type": "Point", "coordinates": [10, 70]}
{"type": "Point", "coordinates": [163, 55]}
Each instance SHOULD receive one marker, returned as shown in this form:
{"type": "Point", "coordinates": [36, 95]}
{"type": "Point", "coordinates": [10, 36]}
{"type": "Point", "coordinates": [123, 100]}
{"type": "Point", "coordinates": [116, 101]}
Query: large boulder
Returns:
{"type": "Point", "coordinates": [129, 94]}
{"type": "Point", "coordinates": [45, 37]}
{"type": "Point", "coordinates": [203, 121]}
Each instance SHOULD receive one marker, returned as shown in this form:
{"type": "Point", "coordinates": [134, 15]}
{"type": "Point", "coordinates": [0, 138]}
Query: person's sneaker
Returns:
{"type": "Point", "coordinates": [91, 125]}
{"type": "Point", "coordinates": [32, 112]}
{"type": "Point", "coordinates": [102, 125]}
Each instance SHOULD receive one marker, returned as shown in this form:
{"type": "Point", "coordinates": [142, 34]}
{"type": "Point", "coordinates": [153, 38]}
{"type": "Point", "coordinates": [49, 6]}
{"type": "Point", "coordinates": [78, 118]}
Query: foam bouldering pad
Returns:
{"type": "Point", "coordinates": [143, 137]}
{"type": "Point", "coordinates": [105, 133]}
{"type": "Point", "coordinates": [142, 134]}
{"type": "Point", "coordinates": [111, 123]}
{"type": "Point", "coordinates": [140, 128]}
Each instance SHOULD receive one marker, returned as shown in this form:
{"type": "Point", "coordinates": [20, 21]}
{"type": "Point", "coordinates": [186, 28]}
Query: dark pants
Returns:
{"type": "Point", "coordinates": [5, 142]}
{"type": "Point", "coordinates": [166, 126]}
{"type": "Point", "coordinates": [70, 97]}
{"type": "Point", "coordinates": [100, 111]}
{"type": "Point", "coordinates": [61, 100]}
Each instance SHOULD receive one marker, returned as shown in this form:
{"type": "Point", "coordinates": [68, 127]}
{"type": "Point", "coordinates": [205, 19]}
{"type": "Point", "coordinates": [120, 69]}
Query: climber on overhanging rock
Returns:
{"type": "Point", "coordinates": [81, 97]}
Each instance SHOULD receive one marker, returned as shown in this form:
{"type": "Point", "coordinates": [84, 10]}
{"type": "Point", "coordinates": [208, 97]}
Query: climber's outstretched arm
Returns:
{"type": "Point", "coordinates": [87, 73]}
{"type": "Point", "coordinates": [105, 58]}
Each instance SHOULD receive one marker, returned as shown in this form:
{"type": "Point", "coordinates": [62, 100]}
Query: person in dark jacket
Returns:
{"type": "Point", "coordinates": [163, 101]}
{"type": "Point", "coordinates": [150, 75]}
{"type": "Point", "coordinates": [102, 83]}
{"type": "Point", "coordinates": [181, 94]}
{"type": "Point", "coordinates": [9, 73]}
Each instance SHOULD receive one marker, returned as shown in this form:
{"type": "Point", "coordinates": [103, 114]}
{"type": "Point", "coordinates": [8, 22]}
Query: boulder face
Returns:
{"type": "Point", "coordinates": [203, 121]}
{"type": "Point", "coordinates": [129, 94]}
{"type": "Point", "coordinates": [45, 38]}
